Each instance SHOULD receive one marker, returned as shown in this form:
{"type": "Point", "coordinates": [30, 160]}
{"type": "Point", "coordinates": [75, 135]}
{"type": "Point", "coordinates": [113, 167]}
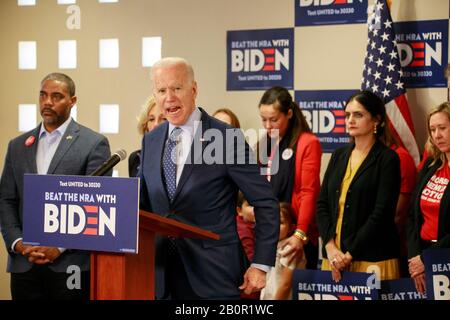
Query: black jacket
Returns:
{"type": "Point", "coordinates": [368, 228]}
{"type": "Point", "coordinates": [415, 219]}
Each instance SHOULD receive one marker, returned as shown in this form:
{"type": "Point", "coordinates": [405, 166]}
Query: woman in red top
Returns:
{"type": "Point", "coordinates": [429, 220]}
{"type": "Point", "coordinates": [292, 155]}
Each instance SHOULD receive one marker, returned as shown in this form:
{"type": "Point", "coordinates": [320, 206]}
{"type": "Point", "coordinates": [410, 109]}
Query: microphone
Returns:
{"type": "Point", "coordinates": [118, 156]}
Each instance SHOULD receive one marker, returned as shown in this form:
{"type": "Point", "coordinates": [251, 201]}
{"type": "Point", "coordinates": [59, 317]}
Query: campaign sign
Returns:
{"type": "Point", "coordinates": [321, 12]}
{"type": "Point", "coordinates": [423, 52]}
{"type": "Point", "coordinates": [80, 212]}
{"type": "Point", "coordinates": [260, 59]}
{"type": "Point", "coordinates": [400, 289]}
{"type": "Point", "coordinates": [318, 285]}
{"type": "Point", "coordinates": [437, 273]}
{"type": "Point", "coordinates": [324, 112]}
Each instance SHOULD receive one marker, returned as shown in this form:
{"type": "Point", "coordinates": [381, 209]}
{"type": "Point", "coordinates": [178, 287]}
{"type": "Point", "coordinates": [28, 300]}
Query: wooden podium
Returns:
{"type": "Point", "coordinates": [126, 276]}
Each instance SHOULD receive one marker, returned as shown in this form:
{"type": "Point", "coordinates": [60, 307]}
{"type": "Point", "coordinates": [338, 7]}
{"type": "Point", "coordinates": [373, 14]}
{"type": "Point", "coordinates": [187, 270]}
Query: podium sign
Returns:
{"type": "Point", "coordinates": [81, 212]}
{"type": "Point", "coordinates": [437, 273]}
{"type": "Point", "coordinates": [318, 285]}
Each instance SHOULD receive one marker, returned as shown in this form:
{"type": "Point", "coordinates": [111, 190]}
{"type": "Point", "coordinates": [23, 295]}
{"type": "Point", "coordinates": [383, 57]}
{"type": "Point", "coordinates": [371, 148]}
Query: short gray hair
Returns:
{"type": "Point", "coordinates": [61, 77]}
{"type": "Point", "coordinates": [172, 61]}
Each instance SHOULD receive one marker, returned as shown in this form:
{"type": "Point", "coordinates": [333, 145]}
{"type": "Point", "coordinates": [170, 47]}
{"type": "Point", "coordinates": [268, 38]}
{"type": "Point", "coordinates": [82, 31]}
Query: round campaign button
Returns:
{"type": "Point", "coordinates": [287, 154]}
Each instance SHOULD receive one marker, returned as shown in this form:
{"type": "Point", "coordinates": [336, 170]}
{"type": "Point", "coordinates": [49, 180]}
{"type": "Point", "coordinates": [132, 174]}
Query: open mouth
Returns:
{"type": "Point", "coordinates": [173, 110]}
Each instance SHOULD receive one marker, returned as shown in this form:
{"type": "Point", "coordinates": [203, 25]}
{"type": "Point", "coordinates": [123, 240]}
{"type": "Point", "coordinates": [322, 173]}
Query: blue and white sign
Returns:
{"type": "Point", "coordinates": [260, 59]}
{"type": "Point", "coordinates": [79, 212]}
{"type": "Point", "coordinates": [400, 289]}
{"type": "Point", "coordinates": [423, 51]}
{"type": "Point", "coordinates": [324, 111]}
{"type": "Point", "coordinates": [322, 12]}
{"type": "Point", "coordinates": [437, 273]}
{"type": "Point", "coordinates": [318, 285]}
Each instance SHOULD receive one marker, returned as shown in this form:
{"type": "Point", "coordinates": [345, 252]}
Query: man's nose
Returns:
{"type": "Point", "coordinates": [170, 94]}
{"type": "Point", "coordinates": [47, 100]}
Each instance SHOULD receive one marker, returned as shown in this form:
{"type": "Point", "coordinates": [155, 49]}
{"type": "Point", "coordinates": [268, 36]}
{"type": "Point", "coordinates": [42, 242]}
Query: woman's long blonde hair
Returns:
{"type": "Point", "coordinates": [142, 118]}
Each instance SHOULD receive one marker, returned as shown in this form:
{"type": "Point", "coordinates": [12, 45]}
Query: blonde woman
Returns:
{"type": "Point", "coordinates": [429, 219]}
{"type": "Point", "coordinates": [148, 119]}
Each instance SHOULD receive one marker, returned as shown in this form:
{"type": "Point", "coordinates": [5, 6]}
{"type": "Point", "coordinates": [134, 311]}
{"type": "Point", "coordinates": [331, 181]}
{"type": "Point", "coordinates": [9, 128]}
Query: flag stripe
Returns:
{"type": "Point", "coordinates": [403, 130]}
{"type": "Point", "coordinates": [402, 104]}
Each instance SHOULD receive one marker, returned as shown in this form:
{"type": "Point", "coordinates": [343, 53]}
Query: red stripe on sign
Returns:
{"type": "Point", "coordinates": [90, 231]}
{"type": "Point", "coordinates": [341, 297]}
{"type": "Point", "coordinates": [269, 51]}
{"type": "Point", "coordinates": [339, 113]}
{"type": "Point", "coordinates": [419, 54]}
{"type": "Point", "coordinates": [339, 130]}
{"type": "Point", "coordinates": [91, 209]}
{"type": "Point", "coordinates": [417, 63]}
{"type": "Point", "coordinates": [269, 67]}
{"type": "Point", "coordinates": [418, 45]}
{"type": "Point", "coordinates": [340, 121]}
{"type": "Point", "coordinates": [92, 221]}
{"type": "Point", "coordinates": [270, 60]}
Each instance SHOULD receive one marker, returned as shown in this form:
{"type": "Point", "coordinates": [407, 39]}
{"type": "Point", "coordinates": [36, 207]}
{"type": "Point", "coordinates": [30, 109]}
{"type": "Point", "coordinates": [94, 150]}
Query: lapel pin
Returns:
{"type": "Point", "coordinates": [30, 141]}
{"type": "Point", "coordinates": [69, 138]}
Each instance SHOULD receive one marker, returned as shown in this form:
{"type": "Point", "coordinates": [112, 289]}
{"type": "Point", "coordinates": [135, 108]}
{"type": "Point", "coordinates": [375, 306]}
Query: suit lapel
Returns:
{"type": "Point", "coordinates": [30, 152]}
{"type": "Point", "coordinates": [156, 154]}
{"type": "Point", "coordinates": [66, 142]}
{"type": "Point", "coordinates": [197, 144]}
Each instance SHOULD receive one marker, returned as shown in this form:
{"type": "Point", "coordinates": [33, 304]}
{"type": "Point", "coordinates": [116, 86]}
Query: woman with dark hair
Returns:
{"type": "Point", "coordinates": [292, 155]}
{"type": "Point", "coordinates": [358, 198]}
{"type": "Point", "coordinates": [429, 219]}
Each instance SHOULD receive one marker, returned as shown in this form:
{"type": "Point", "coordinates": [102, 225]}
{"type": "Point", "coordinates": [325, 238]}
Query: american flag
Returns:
{"type": "Point", "coordinates": [383, 75]}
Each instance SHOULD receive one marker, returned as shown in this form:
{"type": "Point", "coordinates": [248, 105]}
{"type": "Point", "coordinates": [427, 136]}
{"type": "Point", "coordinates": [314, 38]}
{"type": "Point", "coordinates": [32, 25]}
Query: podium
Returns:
{"type": "Point", "coordinates": [125, 276]}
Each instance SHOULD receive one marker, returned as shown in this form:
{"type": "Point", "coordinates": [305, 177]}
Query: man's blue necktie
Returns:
{"type": "Point", "coordinates": [169, 163]}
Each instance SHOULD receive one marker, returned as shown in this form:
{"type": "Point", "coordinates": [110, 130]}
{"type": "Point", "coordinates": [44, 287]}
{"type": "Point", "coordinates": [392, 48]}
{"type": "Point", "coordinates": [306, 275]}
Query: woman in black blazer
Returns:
{"type": "Point", "coordinates": [358, 197]}
{"type": "Point", "coordinates": [429, 219]}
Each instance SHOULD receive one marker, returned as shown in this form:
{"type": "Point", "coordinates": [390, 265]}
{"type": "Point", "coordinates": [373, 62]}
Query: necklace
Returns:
{"type": "Point", "coordinates": [354, 162]}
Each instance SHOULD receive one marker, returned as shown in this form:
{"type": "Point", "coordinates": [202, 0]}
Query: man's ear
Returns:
{"type": "Point", "coordinates": [73, 100]}
{"type": "Point", "coordinates": [194, 89]}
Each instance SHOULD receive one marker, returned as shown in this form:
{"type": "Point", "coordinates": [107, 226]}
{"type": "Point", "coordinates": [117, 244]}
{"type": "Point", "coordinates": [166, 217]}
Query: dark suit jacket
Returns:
{"type": "Point", "coordinates": [368, 228]}
{"type": "Point", "coordinates": [206, 196]}
{"type": "Point", "coordinates": [415, 219]}
{"type": "Point", "coordinates": [80, 152]}
{"type": "Point", "coordinates": [134, 160]}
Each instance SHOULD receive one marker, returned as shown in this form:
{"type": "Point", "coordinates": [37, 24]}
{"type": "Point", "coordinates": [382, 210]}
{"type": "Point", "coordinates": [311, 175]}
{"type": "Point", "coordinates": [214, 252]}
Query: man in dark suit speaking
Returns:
{"type": "Point", "coordinates": [60, 146]}
{"type": "Point", "coordinates": [182, 178]}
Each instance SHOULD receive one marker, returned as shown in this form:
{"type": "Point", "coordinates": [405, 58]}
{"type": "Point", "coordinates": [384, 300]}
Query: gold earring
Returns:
{"type": "Point", "coordinates": [375, 129]}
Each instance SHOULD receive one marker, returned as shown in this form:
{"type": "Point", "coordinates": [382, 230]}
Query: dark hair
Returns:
{"type": "Point", "coordinates": [375, 106]}
{"type": "Point", "coordinates": [287, 212]}
{"type": "Point", "coordinates": [240, 199]}
{"type": "Point", "coordinates": [282, 101]}
{"type": "Point", "coordinates": [234, 119]}
{"type": "Point", "coordinates": [61, 77]}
